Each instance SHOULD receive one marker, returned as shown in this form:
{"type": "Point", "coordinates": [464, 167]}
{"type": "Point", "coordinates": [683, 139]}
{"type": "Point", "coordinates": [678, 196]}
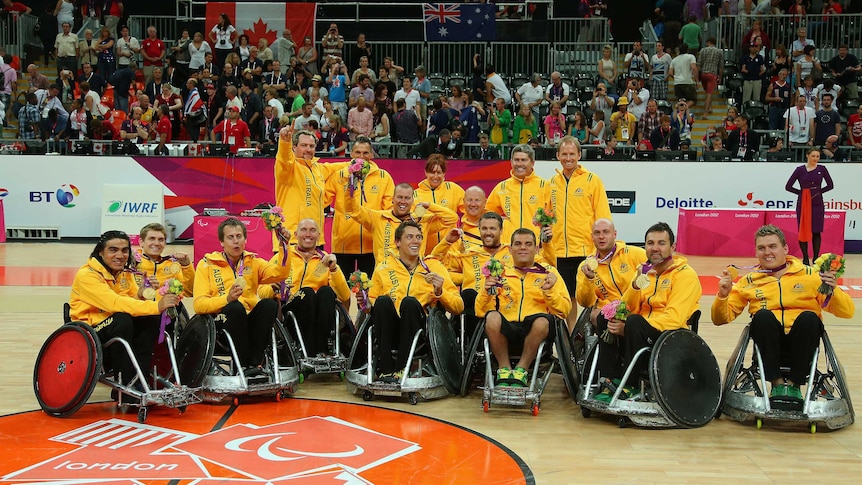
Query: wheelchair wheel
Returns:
{"type": "Point", "coordinates": [161, 357]}
{"type": "Point", "coordinates": [566, 356]}
{"type": "Point", "coordinates": [346, 331]}
{"type": "Point", "coordinates": [685, 378]}
{"type": "Point", "coordinates": [359, 349]}
{"type": "Point", "coordinates": [444, 350]}
{"type": "Point", "coordinates": [470, 364]}
{"type": "Point", "coordinates": [734, 365]}
{"type": "Point", "coordinates": [67, 369]}
{"type": "Point", "coordinates": [194, 351]}
{"type": "Point", "coordinates": [288, 348]}
{"type": "Point", "coordinates": [840, 378]}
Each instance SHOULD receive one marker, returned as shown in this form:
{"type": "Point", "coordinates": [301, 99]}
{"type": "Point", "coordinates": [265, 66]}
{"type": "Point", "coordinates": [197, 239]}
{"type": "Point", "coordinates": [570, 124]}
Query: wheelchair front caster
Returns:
{"type": "Point", "coordinates": [759, 423]}
{"type": "Point", "coordinates": [367, 396]}
{"type": "Point", "coordinates": [142, 414]}
{"type": "Point", "coordinates": [623, 422]}
{"type": "Point", "coordinates": [586, 412]}
{"type": "Point", "coordinates": [813, 427]}
{"type": "Point", "coordinates": [486, 406]}
{"type": "Point", "coordinates": [535, 409]}
{"type": "Point", "coordinates": [413, 398]}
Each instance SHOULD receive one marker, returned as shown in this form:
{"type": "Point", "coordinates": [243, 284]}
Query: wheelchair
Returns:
{"type": "Point", "coordinates": [682, 389]}
{"type": "Point", "coordinates": [340, 342]}
{"type": "Point", "coordinates": [826, 399]}
{"type": "Point", "coordinates": [425, 376]}
{"type": "Point", "coordinates": [208, 358]}
{"type": "Point", "coordinates": [545, 364]}
{"type": "Point", "coordinates": [71, 362]}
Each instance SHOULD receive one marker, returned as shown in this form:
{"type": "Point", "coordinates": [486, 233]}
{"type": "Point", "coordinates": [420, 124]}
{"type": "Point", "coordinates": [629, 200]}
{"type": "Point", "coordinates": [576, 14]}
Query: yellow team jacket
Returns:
{"type": "Point", "coordinates": [578, 202]}
{"type": "Point", "coordinates": [383, 224]}
{"type": "Point", "coordinates": [300, 187]}
{"type": "Point", "coordinates": [349, 237]}
{"type": "Point", "coordinates": [517, 200]}
{"type": "Point", "coordinates": [161, 269]}
{"type": "Point", "coordinates": [314, 275]}
{"type": "Point", "coordinates": [214, 277]}
{"type": "Point", "coordinates": [392, 278]}
{"type": "Point", "coordinates": [786, 298]}
{"type": "Point", "coordinates": [522, 295]}
{"type": "Point", "coordinates": [465, 265]}
{"type": "Point", "coordinates": [670, 298]}
{"type": "Point", "coordinates": [97, 294]}
{"type": "Point", "coordinates": [612, 279]}
{"type": "Point", "coordinates": [448, 194]}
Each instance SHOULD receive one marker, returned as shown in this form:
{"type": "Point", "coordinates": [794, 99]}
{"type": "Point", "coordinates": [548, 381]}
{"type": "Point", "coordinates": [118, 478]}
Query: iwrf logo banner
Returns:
{"type": "Point", "coordinates": [130, 207]}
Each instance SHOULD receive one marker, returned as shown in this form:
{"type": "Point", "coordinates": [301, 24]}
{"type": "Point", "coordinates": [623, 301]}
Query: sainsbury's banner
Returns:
{"type": "Point", "coordinates": [265, 20]}
{"type": "Point", "coordinates": [66, 192]}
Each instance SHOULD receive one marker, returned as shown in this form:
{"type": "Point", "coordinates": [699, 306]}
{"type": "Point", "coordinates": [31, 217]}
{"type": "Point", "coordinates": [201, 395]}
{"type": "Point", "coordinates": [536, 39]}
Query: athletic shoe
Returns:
{"type": "Point", "coordinates": [794, 392]}
{"type": "Point", "coordinates": [519, 377]}
{"type": "Point", "coordinates": [503, 376]}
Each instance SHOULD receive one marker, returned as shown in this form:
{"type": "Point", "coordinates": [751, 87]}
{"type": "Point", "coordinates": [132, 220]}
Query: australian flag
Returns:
{"type": "Point", "coordinates": [459, 22]}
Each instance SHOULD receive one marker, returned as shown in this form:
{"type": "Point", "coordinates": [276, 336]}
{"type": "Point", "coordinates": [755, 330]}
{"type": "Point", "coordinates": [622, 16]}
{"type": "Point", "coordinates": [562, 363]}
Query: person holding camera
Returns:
{"type": "Point", "coordinates": [636, 61]}
{"type": "Point", "coordinates": [333, 46]}
{"type": "Point", "coordinates": [222, 37]}
{"type": "Point", "coordinates": [601, 101]}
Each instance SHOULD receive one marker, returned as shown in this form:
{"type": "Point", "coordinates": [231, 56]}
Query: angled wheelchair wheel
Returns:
{"type": "Point", "coordinates": [840, 378]}
{"type": "Point", "coordinates": [565, 354]}
{"type": "Point", "coordinates": [161, 357]}
{"type": "Point", "coordinates": [287, 347]}
{"type": "Point", "coordinates": [346, 331]}
{"type": "Point", "coordinates": [471, 366]}
{"type": "Point", "coordinates": [194, 351]}
{"type": "Point", "coordinates": [582, 338]}
{"type": "Point", "coordinates": [67, 369]}
{"type": "Point", "coordinates": [444, 350]}
{"type": "Point", "coordinates": [359, 349]}
{"type": "Point", "coordinates": [685, 378]}
{"type": "Point", "coordinates": [734, 365]}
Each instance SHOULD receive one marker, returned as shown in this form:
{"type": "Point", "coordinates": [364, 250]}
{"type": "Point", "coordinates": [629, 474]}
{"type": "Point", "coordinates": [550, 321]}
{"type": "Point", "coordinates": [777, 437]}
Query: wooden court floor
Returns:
{"type": "Point", "coordinates": [559, 445]}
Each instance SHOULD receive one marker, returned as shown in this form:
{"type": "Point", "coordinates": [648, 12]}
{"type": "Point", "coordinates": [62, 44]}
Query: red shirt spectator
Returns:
{"type": "Point", "coordinates": [854, 128]}
{"type": "Point", "coordinates": [15, 7]}
{"type": "Point", "coordinates": [153, 49]}
{"type": "Point", "coordinates": [164, 127]}
{"type": "Point", "coordinates": [234, 131]}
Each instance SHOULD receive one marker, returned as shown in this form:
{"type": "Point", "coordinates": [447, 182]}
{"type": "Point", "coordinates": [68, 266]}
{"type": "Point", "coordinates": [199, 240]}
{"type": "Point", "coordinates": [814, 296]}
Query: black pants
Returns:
{"type": "Point", "coordinates": [250, 332]}
{"type": "Point", "coordinates": [795, 347]}
{"type": "Point", "coordinates": [351, 262]}
{"type": "Point", "coordinates": [615, 358]}
{"type": "Point", "coordinates": [470, 320]}
{"type": "Point", "coordinates": [141, 334]}
{"type": "Point", "coordinates": [315, 312]}
{"type": "Point", "coordinates": [568, 268]}
{"type": "Point", "coordinates": [395, 328]}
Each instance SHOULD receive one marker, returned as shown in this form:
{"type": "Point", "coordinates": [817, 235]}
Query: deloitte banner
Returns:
{"type": "Point", "coordinates": [67, 192]}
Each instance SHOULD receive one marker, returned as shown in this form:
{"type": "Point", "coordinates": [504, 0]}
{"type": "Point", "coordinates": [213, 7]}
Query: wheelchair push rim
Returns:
{"type": "Point", "coordinates": [195, 349]}
{"type": "Point", "coordinates": [67, 369]}
{"type": "Point", "coordinates": [445, 351]}
{"type": "Point", "coordinates": [469, 371]}
{"type": "Point", "coordinates": [566, 357]}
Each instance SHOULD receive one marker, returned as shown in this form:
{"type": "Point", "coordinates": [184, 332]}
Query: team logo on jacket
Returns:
{"type": "Point", "coordinates": [798, 288]}
{"type": "Point", "coordinates": [375, 189]}
{"type": "Point", "coordinates": [533, 199]}
{"type": "Point", "coordinates": [624, 267]}
{"type": "Point", "coordinates": [665, 284]}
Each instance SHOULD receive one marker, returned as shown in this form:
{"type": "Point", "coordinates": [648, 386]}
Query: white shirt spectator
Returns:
{"type": "Point", "coordinates": [499, 88]}
{"type": "Point", "coordinates": [660, 66]}
{"type": "Point", "coordinates": [682, 69]}
{"type": "Point", "coordinates": [301, 122]}
{"type": "Point", "coordinates": [638, 109]}
{"type": "Point", "coordinates": [821, 91]}
{"type": "Point", "coordinates": [530, 94]}
{"type": "Point", "coordinates": [811, 96]}
{"type": "Point", "coordinates": [800, 121]}
{"type": "Point", "coordinates": [411, 99]}
{"type": "Point", "coordinates": [277, 107]}
{"type": "Point", "coordinates": [798, 46]}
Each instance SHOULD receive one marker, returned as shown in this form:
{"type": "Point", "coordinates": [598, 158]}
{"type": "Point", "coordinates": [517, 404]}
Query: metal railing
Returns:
{"type": "Point", "coordinates": [16, 31]}
{"type": "Point", "coordinates": [166, 27]}
{"type": "Point", "coordinates": [781, 29]}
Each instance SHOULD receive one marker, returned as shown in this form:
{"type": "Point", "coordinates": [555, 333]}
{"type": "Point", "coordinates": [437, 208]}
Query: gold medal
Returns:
{"type": "Point", "coordinates": [149, 294]}
{"type": "Point", "coordinates": [642, 282]}
{"type": "Point", "coordinates": [419, 211]}
{"type": "Point", "coordinates": [173, 268]}
{"type": "Point", "coordinates": [241, 283]}
{"type": "Point", "coordinates": [592, 263]}
{"type": "Point", "coordinates": [734, 273]}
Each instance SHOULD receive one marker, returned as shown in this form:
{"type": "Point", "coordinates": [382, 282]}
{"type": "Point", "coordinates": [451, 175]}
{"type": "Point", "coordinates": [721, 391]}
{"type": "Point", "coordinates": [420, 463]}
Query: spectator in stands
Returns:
{"type": "Point", "coordinates": [175, 109]}
{"type": "Point", "coordinates": [94, 80]}
{"type": "Point", "coordinates": [830, 150]}
{"type": "Point", "coordinates": [232, 131]}
{"type": "Point", "coordinates": [470, 119]}
{"type": "Point", "coordinates": [91, 100]}
{"type": "Point", "coordinates": [223, 35]}
{"type": "Point", "coordinates": [683, 70]}
{"type": "Point", "coordinates": [360, 120]}
{"type": "Point", "coordinates": [683, 120]}
{"type": "Point", "coordinates": [659, 64]}
{"type": "Point", "coordinates": [822, 29]}
{"type": "Point", "coordinates": [148, 113]}
{"type": "Point", "coordinates": [293, 93]}
{"type": "Point", "coordinates": [742, 142]}
{"type": "Point", "coordinates": [500, 119]}
{"type": "Point", "coordinates": [845, 67]}
{"type": "Point", "coordinates": [363, 70]}
{"type": "Point", "coordinates": [753, 67]}
{"type": "Point", "coordinates": [16, 7]}
{"type": "Point", "coordinates": [394, 72]}
{"type": "Point", "coordinates": [271, 99]}
{"type": "Point", "coordinates": [66, 49]}
{"type": "Point", "coordinates": [664, 136]}
{"type": "Point", "coordinates": [623, 123]}
{"type": "Point", "coordinates": [36, 80]}
{"type": "Point", "coordinates": [579, 129]}
{"type": "Point", "coordinates": [87, 49]}
{"type": "Point", "coordinates": [8, 82]}
{"type": "Point", "coordinates": [526, 125]}
{"type": "Point", "coordinates": [782, 61]}
{"type": "Point", "coordinates": [78, 121]}
{"type": "Point", "coordinates": [127, 47]}
{"type": "Point", "coordinates": [422, 85]}
{"type": "Point", "coordinates": [361, 90]}
{"type": "Point", "coordinates": [409, 95]}
{"type": "Point", "coordinates": [477, 80]}
{"type": "Point", "coordinates": [332, 45]}
{"type": "Point", "coordinates": [557, 91]}
{"type": "Point", "coordinates": [758, 37]}
{"type": "Point", "coordinates": [339, 137]}
{"type": "Point", "coordinates": [227, 78]}
{"type": "Point", "coordinates": [264, 52]}
{"type": "Point", "coordinates": [495, 87]}
{"type": "Point", "coordinates": [601, 101]}
{"type": "Point", "coordinates": [153, 88]}
{"type": "Point", "coordinates": [254, 63]}
{"type": "Point", "coordinates": [799, 124]}
{"type": "Point", "coordinates": [66, 84]}
{"type": "Point", "coordinates": [637, 95]}
{"type": "Point", "coordinates": [284, 49]}
{"type": "Point", "coordinates": [810, 92]}
{"type": "Point", "coordinates": [798, 44]}
{"type": "Point", "coordinates": [103, 130]}
{"type": "Point", "coordinates": [232, 98]}
{"type": "Point", "coordinates": [252, 106]}
{"type": "Point", "coordinates": [382, 131]}
{"type": "Point", "coordinates": [194, 110]}
{"type": "Point", "coordinates": [637, 61]}
{"type": "Point", "coordinates": [134, 129]}
{"type": "Point", "coordinates": [649, 120]}
{"type": "Point", "coordinates": [276, 79]}
{"type": "Point", "coordinates": [29, 119]}
{"type": "Point", "coordinates": [181, 55]}
{"type": "Point", "coordinates": [607, 70]}
{"type": "Point", "coordinates": [307, 57]}
{"type": "Point", "coordinates": [711, 69]}
{"type": "Point", "coordinates": [854, 129]}
{"type": "Point", "coordinates": [153, 51]}
{"type": "Point", "coordinates": [337, 86]}
{"type": "Point", "coordinates": [808, 64]}
{"type": "Point", "coordinates": [716, 144]}
{"type": "Point", "coordinates": [243, 45]}
{"type": "Point", "coordinates": [827, 86]}
{"type": "Point", "coordinates": [597, 130]}
{"type": "Point", "coordinates": [210, 67]}
{"type": "Point", "coordinates": [530, 93]}
{"type": "Point", "coordinates": [432, 144]}
{"type": "Point", "coordinates": [440, 118]}
{"type": "Point", "coordinates": [690, 35]}
{"type": "Point", "coordinates": [827, 121]}
{"type": "Point", "coordinates": [163, 130]}
{"type": "Point", "coordinates": [486, 151]}
{"type": "Point", "coordinates": [268, 127]}
{"type": "Point", "coordinates": [54, 128]}
{"type": "Point", "coordinates": [406, 122]}
{"type": "Point", "coordinates": [596, 11]}
{"type": "Point", "coordinates": [385, 83]}
{"type": "Point", "coordinates": [555, 125]}
{"type": "Point", "coordinates": [778, 96]}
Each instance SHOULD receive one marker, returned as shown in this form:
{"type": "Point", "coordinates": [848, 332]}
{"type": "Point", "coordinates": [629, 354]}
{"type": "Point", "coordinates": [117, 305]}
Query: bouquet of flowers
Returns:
{"type": "Point", "coordinates": [615, 310]}
{"type": "Point", "coordinates": [829, 262]}
{"type": "Point", "coordinates": [493, 267]}
{"type": "Point", "coordinates": [359, 283]}
{"type": "Point", "coordinates": [175, 286]}
{"type": "Point", "coordinates": [357, 169]}
{"type": "Point", "coordinates": [273, 218]}
{"type": "Point", "coordinates": [544, 218]}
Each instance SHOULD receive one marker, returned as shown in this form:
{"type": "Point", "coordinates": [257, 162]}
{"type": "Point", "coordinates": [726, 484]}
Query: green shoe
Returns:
{"type": "Point", "coordinates": [519, 377]}
{"type": "Point", "coordinates": [503, 376]}
{"type": "Point", "coordinates": [794, 392]}
{"type": "Point", "coordinates": [779, 390]}
{"type": "Point", "coordinates": [604, 396]}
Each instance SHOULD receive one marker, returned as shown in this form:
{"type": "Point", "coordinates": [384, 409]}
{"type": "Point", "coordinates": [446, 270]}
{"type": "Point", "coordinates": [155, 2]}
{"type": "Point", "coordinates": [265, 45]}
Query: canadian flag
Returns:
{"type": "Point", "coordinates": [266, 20]}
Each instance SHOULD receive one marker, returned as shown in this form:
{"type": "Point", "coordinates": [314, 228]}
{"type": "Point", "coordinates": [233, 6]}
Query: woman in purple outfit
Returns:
{"type": "Point", "coordinates": [809, 203]}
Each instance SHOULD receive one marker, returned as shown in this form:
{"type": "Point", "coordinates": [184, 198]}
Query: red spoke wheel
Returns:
{"type": "Point", "coordinates": [67, 369]}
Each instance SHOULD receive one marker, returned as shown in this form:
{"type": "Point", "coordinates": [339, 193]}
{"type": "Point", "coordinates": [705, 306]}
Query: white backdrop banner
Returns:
{"type": "Point", "coordinates": [130, 207]}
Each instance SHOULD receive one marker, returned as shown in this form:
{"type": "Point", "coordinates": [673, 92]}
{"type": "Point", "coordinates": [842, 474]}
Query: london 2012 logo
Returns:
{"type": "Point", "coordinates": [66, 194]}
{"type": "Point", "coordinates": [302, 449]}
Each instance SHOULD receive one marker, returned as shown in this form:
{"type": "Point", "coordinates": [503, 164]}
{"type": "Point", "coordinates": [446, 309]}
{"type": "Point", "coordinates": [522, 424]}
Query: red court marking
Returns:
{"type": "Point", "coordinates": [36, 276]}
{"type": "Point", "coordinates": [309, 440]}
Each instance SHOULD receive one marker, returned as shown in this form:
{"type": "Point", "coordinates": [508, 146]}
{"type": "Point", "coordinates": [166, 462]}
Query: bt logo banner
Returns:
{"type": "Point", "coordinates": [64, 195]}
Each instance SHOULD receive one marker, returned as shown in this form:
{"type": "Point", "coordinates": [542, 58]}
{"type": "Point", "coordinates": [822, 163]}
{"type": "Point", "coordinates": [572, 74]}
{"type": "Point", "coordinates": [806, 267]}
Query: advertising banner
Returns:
{"type": "Point", "coordinates": [130, 207]}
